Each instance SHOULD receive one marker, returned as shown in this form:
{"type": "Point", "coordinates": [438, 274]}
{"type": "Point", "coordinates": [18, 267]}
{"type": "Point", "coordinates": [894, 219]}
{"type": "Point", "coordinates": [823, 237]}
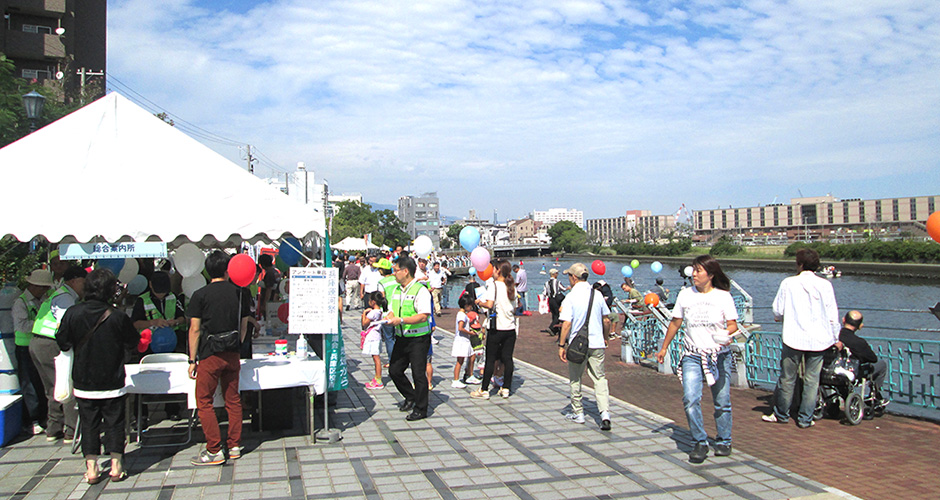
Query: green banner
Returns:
{"type": "Point", "coordinates": [333, 348]}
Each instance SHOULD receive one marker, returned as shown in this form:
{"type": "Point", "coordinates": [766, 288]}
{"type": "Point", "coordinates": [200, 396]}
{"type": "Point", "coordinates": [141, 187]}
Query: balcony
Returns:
{"type": "Point", "coordinates": [40, 7]}
{"type": "Point", "coordinates": [34, 46]}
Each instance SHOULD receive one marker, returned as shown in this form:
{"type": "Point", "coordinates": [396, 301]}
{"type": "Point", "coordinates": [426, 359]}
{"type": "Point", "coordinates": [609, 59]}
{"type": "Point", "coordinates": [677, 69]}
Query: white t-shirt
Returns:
{"type": "Point", "coordinates": [436, 279]}
{"type": "Point", "coordinates": [505, 319]}
{"type": "Point", "coordinates": [574, 309]}
{"type": "Point", "coordinates": [704, 314]}
{"type": "Point", "coordinates": [461, 316]}
{"type": "Point", "coordinates": [369, 281]}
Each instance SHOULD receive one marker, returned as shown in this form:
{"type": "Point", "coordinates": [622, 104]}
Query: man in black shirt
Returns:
{"type": "Point", "coordinates": [851, 324]}
{"type": "Point", "coordinates": [218, 315]}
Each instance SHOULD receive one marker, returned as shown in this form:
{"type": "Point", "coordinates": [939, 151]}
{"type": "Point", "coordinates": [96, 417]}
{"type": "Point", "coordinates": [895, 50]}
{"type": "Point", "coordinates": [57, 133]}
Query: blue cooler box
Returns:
{"type": "Point", "coordinates": [11, 417]}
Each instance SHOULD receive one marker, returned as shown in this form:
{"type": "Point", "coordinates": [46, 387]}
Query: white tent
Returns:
{"type": "Point", "coordinates": [354, 244]}
{"type": "Point", "coordinates": [112, 171]}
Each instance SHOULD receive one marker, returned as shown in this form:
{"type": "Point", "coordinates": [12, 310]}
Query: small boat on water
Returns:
{"type": "Point", "coordinates": [556, 264]}
{"type": "Point", "coordinates": [543, 269]}
{"type": "Point", "coordinates": [830, 272]}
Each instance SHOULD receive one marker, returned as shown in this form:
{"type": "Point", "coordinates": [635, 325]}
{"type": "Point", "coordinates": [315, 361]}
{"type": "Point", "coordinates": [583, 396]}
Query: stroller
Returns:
{"type": "Point", "coordinates": [845, 390]}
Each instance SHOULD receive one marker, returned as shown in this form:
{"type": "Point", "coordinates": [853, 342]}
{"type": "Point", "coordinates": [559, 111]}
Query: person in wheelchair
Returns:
{"type": "Point", "coordinates": [859, 348]}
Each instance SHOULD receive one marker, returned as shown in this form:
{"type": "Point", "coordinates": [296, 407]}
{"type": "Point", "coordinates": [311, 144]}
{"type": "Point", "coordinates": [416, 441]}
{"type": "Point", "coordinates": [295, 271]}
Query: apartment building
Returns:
{"type": "Point", "coordinates": [421, 215]}
{"type": "Point", "coordinates": [551, 216]}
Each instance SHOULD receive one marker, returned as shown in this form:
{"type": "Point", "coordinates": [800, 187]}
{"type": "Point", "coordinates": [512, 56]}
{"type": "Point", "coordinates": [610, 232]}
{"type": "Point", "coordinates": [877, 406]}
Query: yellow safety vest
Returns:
{"type": "Point", "coordinates": [23, 338]}
{"type": "Point", "coordinates": [403, 305]}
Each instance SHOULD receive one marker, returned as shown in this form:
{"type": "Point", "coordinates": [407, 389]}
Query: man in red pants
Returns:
{"type": "Point", "coordinates": [219, 314]}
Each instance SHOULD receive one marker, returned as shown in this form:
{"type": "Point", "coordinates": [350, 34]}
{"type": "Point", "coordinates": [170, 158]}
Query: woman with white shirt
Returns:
{"type": "Point", "coordinates": [500, 299]}
{"type": "Point", "coordinates": [710, 319]}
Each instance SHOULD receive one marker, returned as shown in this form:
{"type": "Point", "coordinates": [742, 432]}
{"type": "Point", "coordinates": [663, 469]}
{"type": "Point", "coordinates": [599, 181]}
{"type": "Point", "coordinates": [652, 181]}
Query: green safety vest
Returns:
{"type": "Point", "coordinates": [150, 309]}
{"type": "Point", "coordinates": [46, 324]}
{"type": "Point", "coordinates": [403, 305]}
{"type": "Point", "coordinates": [387, 284]}
{"type": "Point", "coordinates": [23, 338]}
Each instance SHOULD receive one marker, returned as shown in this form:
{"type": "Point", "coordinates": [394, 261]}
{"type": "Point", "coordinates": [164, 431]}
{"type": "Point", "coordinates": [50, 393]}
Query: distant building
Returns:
{"type": "Point", "coordinates": [333, 199]}
{"type": "Point", "coordinates": [817, 218]}
{"type": "Point", "coordinates": [553, 215]}
{"type": "Point", "coordinates": [57, 41]}
{"type": "Point", "coordinates": [301, 186]}
{"type": "Point", "coordinates": [633, 226]}
{"type": "Point", "coordinates": [421, 215]}
{"type": "Point", "coordinates": [523, 231]}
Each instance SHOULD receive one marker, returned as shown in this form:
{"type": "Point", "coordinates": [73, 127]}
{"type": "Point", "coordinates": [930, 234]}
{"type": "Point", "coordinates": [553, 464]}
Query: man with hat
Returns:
{"type": "Point", "coordinates": [553, 290]}
{"type": "Point", "coordinates": [24, 311]}
{"type": "Point", "coordinates": [43, 349]}
{"type": "Point", "coordinates": [575, 313]}
{"type": "Point", "coordinates": [662, 291]}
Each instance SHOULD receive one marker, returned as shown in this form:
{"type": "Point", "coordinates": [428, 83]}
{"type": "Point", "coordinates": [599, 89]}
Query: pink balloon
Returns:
{"type": "Point", "coordinates": [241, 270]}
{"type": "Point", "coordinates": [480, 258]}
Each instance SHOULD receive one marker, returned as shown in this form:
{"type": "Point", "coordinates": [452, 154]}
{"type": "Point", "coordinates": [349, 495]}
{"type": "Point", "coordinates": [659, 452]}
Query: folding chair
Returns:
{"type": "Point", "coordinates": [157, 399]}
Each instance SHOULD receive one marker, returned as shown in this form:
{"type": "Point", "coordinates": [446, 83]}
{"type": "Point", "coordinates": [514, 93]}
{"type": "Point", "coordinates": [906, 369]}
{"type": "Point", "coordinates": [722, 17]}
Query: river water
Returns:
{"type": "Point", "coordinates": [879, 298]}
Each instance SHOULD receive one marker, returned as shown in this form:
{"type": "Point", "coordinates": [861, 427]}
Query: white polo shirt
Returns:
{"type": "Point", "coordinates": [574, 309]}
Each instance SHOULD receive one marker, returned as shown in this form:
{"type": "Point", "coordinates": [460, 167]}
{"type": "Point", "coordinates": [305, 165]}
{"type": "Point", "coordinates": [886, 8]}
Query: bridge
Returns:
{"type": "Point", "coordinates": [523, 249]}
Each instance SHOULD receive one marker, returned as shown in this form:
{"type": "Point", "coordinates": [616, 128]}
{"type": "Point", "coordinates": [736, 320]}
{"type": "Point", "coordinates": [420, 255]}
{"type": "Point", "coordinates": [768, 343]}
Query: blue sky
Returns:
{"type": "Point", "coordinates": [597, 105]}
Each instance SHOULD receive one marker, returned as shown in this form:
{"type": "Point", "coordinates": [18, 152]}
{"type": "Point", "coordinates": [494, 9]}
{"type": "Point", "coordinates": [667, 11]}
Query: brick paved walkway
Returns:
{"type": "Point", "coordinates": [515, 448]}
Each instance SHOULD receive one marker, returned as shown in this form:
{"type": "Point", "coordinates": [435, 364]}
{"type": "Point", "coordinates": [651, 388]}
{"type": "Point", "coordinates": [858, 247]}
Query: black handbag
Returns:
{"type": "Point", "coordinates": [578, 346]}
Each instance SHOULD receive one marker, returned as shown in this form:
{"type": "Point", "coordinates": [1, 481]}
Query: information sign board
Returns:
{"type": "Point", "coordinates": [314, 299]}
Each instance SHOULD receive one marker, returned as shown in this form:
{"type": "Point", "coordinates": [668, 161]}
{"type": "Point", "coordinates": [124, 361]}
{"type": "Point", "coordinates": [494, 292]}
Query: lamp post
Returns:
{"type": "Point", "coordinates": [33, 102]}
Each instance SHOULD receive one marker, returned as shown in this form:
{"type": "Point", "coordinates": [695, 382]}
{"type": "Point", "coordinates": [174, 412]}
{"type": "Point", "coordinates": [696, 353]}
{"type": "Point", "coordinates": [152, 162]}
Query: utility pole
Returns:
{"type": "Point", "coordinates": [82, 73]}
{"type": "Point", "coordinates": [251, 159]}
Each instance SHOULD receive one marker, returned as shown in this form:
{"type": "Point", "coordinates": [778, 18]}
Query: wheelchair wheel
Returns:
{"type": "Point", "coordinates": [854, 409]}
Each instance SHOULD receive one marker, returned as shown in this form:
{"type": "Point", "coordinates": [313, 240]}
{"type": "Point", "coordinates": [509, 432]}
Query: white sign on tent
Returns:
{"type": "Point", "coordinates": [314, 299]}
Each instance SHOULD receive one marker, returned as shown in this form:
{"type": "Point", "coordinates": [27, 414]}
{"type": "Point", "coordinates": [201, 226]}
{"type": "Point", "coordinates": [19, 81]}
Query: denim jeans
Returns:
{"type": "Point", "coordinates": [692, 379]}
{"type": "Point", "coordinates": [790, 360]}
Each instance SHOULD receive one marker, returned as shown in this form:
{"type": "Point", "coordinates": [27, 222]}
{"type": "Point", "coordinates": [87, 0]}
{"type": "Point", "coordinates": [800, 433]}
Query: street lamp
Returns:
{"type": "Point", "coordinates": [33, 102]}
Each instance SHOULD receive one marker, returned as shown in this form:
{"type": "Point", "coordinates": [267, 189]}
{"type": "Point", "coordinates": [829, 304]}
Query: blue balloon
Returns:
{"type": "Point", "coordinates": [163, 340]}
{"type": "Point", "coordinates": [469, 238]}
{"type": "Point", "coordinates": [656, 267]}
{"type": "Point", "coordinates": [473, 272]}
{"type": "Point", "coordinates": [115, 265]}
{"type": "Point", "coordinates": [288, 250]}
{"type": "Point", "coordinates": [626, 271]}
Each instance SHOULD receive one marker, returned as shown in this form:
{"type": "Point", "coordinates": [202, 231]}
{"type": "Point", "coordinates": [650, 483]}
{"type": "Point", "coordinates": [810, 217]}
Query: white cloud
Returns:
{"type": "Point", "coordinates": [601, 105]}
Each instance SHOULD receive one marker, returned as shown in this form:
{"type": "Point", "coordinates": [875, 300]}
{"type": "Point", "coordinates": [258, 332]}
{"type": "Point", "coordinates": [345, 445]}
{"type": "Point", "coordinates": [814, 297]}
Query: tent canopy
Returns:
{"type": "Point", "coordinates": [111, 171]}
{"type": "Point", "coordinates": [354, 244]}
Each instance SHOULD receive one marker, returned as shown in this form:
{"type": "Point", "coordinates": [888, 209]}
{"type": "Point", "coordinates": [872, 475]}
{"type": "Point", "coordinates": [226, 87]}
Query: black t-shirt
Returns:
{"type": "Point", "coordinates": [270, 277]}
{"type": "Point", "coordinates": [216, 306]}
{"type": "Point", "coordinates": [98, 364]}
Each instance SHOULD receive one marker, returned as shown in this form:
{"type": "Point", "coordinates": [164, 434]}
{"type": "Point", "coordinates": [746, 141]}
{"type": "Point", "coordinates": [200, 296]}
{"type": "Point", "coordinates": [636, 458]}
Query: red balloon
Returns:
{"type": "Point", "coordinates": [933, 226]}
{"type": "Point", "coordinates": [486, 273]}
{"type": "Point", "coordinates": [651, 299]}
{"type": "Point", "coordinates": [241, 270]}
{"type": "Point", "coordinates": [283, 312]}
{"type": "Point", "coordinates": [598, 267]}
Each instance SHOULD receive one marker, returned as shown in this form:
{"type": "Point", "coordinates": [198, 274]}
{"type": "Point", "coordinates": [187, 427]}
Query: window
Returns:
{"type": "Point", "coordinates": [913, 209]}
{"type": "Point", "coordinates": [895, 211]}
{"type": "Point", "coordinates": [32, 28]}
{"type": "Point", "coordinates": [432, 205]}
{"type": "Point", "coordinates": [37, 74]}
{"type": "Point", "coordinates": [419, 204]}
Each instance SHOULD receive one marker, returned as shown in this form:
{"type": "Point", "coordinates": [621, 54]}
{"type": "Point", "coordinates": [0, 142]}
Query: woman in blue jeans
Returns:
{"type": "Point", "coordinates": [710, 320]}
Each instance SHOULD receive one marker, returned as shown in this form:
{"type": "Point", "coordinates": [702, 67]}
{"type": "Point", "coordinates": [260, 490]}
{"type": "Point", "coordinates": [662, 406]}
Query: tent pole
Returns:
{"type": "Point", "coordinates": [327, 434]}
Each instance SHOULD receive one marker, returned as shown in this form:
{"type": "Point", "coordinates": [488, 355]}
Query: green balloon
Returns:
{"type": "Point", "coordinates": [634, 263]}
{"type": "Point", "coordinates": [281, 265]}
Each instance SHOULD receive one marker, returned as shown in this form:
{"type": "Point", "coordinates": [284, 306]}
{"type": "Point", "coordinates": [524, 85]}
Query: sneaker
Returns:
{"type": "Point", "coordinates": [772, 419]}
{"type": "Point", "coordinates": [235, 452]}
{"type": "Point", "coordinates": [881, 403]}
{"type": "Point", "coordinates": [37, 429]}
{"type": "Point", "coordinates": [480, 394]}
{"type": "Point", "coordinates": [504, 393]}
{"type": "Point", "coordinates": [806, 426]}
{"type": "Point", "coordinates": [456, 384]}
{"type": "Point", "coordinates": [434, 341]}
{"type": "Point", "coordinates": [473, 380]}
{"type": "Point", "coordinates": [68, 440]}
{"type": "Point", "coordinates": [577, 418]}
{"type": "Point", "coordinates": [206, 458]}
{"type": "Point", "coordinates": [374, 384]}
{"type": "Point", "coordinates": [53, 438]}
{"type": "Point", "coordinates": [722, 450]}
{"type": "Point", "coordinates": [699, 453]}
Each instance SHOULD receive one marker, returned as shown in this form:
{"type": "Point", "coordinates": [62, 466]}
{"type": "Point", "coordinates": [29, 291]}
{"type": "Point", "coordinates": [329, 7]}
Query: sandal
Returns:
{"type": "Point", "coordinates": [94, 480]}
{"type": "Point", "coordinates": [120, 477]}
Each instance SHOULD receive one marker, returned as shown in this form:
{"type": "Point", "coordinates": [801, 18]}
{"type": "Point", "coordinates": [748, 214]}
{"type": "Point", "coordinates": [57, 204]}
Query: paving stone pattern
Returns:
{"type": "Point", "coordinates": [520, 447]}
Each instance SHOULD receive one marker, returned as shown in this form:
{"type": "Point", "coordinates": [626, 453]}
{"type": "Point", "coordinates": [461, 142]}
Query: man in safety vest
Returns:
{"type": "Point", "coordinates": [43, 349]}
{"type": "Point", "coordinates": [159, 308]}
{"type": "Point", "coordinates": [25, 308]}
{"type": "Point", "coordinates": [387, 285]}
{"type": "Point", "coordinates": [409, 309]}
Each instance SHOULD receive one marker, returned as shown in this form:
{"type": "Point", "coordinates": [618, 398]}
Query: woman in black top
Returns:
{"type": "Point", "coordinates": [101, 336]}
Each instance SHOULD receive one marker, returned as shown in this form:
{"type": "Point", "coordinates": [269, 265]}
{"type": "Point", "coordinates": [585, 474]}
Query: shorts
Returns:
{"type": "Point", "coordinates": [462, 347]}
{"type": "Point", "coordinates": [371, 347]}
{"type": "Point", "coordinates": [430, 352]}
{"type": "Point", "coordinates": [614, 317]}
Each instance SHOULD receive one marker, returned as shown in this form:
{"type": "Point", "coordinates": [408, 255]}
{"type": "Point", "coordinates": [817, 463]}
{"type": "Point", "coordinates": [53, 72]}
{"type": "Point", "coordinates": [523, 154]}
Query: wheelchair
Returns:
{"type": "Point", "coordinates": [846, 392]}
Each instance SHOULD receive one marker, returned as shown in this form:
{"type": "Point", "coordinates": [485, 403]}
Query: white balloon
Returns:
{"type": "Point", "coordinates": [193, 283]}
{"type": "Point", "coordinates": [129, 270]}
{"type": "Point", "coordinates": [283, 287]}
{"type": "Point", "coordinates": [423, 246]}
{"type": "Point", "coordinates": [137, 285]}
{"type": "Point", "coordinates": [687, 271]}
{"type": "Point", "coordinates": [189, 260]}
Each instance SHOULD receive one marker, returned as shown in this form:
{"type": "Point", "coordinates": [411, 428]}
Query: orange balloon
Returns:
{"type": "Point", "coordinates": [651, 299]}
{"type": "Point", "coordinates": [933, 226]}
{"type": "Point", "coordinates": [486, 273]}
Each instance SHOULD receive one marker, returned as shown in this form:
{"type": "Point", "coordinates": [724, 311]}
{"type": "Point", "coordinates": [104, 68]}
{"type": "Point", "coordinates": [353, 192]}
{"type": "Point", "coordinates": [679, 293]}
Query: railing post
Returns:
{"type": "Point", "coordinates": [626, 346]}
{"type": "Point", "coordinates": [739, 374]}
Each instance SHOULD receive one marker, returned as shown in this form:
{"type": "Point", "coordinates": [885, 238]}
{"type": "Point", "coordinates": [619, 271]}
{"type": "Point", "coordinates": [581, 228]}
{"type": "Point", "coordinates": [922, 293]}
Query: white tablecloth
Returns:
{"type": "Point", "coordinates": [275, 372]}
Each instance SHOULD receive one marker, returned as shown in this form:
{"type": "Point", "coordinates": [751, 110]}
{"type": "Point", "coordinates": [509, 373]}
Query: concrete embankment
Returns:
{"type": "Point", "coordinates": [858, 268]}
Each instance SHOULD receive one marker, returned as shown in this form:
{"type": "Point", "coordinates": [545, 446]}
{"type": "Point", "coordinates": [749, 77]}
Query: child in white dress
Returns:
{"type": "Point", "coordinates": [372, 335]}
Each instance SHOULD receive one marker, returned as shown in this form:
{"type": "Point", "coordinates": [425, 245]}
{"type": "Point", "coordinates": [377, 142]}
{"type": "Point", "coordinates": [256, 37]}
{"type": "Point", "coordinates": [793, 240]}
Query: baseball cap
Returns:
{"type": "Point", "coordinates": [577, 269]}
{"type": "Point", "coordinates": [474, 320]}
{"type": "Point", "coordinates": [382, 264]}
